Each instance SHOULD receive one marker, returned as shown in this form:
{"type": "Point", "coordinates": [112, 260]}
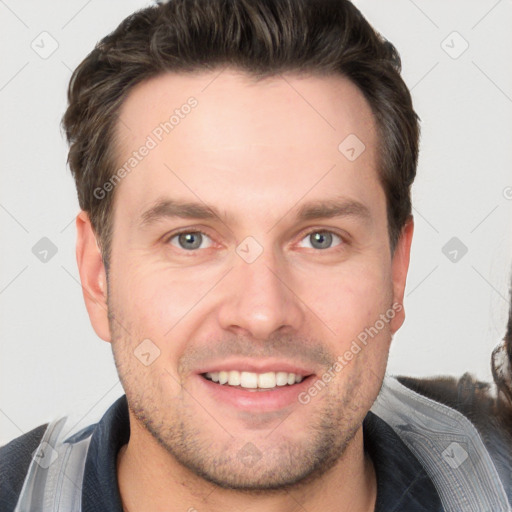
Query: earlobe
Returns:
{"type": "Point", "coordinates": [400, 267]}
{"type": "Point", "coordinates": [92, 276]}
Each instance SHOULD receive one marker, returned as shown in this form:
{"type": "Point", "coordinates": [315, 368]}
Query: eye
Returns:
{"type": "Point", "coordinates": [321, 239]}
{"type": "Point", "coordinates": [189, 240]}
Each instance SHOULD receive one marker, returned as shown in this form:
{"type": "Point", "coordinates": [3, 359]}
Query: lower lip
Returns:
{"type": "Point", "coordinates": [258, 400]}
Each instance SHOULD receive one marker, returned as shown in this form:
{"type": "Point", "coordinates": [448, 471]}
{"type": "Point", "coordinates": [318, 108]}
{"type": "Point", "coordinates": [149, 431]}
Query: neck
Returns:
{"type": "Point", "coordinates": [150, 478]}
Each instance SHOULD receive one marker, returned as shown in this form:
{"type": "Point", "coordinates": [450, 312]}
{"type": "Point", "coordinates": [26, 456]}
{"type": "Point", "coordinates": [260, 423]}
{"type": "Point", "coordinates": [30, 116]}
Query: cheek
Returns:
{"type": "Point", "coordinates": [349, 299]}
{"type": "Point", "coordinates": [148, 306]}
{"type": "Point", "coordinates": [155, 300]}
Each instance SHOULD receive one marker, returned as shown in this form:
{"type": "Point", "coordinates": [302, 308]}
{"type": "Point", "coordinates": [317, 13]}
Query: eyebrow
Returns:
{"type": "Point", "coordinates": [327, 209]}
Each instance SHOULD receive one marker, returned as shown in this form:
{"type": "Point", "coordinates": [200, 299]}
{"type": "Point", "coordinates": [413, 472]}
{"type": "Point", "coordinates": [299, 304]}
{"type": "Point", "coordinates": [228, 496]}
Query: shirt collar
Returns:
{"type": "Point", "coordinates": [402, 483]}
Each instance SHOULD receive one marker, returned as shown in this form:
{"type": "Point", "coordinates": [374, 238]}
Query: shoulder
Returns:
{"type": "Point", "coordinates": [482, 404]}
{"type": "Point", "coordinates": [15, 458]}
{"type": "Point", "coordinates": [477, 400]}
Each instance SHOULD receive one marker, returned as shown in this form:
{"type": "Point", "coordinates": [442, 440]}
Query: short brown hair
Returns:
{"type": "Point", "coordinates": [261, 37]}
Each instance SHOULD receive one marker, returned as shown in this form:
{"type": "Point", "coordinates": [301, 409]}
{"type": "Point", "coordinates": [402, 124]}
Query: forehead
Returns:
{"type": "Point", "coordinates": [234, 106]}
{"type": "Point", "coordinates": [266, 137]}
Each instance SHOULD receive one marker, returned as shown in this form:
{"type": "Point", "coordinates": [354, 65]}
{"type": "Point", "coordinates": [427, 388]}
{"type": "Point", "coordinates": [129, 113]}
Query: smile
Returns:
{"type": "Point", "coordinates": [252, 380]}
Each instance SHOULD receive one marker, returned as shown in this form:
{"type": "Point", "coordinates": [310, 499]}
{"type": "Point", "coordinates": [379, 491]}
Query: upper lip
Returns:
{"type": "Point", "coordinates": [255, 366]}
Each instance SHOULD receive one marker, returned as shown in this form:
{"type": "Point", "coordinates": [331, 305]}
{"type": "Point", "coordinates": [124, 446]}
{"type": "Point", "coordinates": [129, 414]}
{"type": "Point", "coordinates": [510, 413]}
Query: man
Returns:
{"type": "Point", "coordinates": [244, 173]}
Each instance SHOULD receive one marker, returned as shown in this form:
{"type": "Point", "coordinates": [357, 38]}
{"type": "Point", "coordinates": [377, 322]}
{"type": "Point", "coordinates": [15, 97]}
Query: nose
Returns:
{"type": "Point", "coordinates": [259, 298]}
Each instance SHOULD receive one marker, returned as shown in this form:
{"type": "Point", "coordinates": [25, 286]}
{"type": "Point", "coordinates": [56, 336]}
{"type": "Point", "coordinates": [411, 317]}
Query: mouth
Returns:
{"type": "Point", "coordinates": [252, 381]}
{"type": "Point", "coordinates": [254, 392]}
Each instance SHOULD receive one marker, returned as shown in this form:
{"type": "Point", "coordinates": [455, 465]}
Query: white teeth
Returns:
{"type": "Point", "coordinates": [267, 380]}
{"type": "Point", "coordinates": [234, 378]}
{"type": "Point", "coordinates": [249, 380]}
{"type": "Point", "coordinates": [281, 378]}
{"type": "Point", "coordinates": [253, 380]}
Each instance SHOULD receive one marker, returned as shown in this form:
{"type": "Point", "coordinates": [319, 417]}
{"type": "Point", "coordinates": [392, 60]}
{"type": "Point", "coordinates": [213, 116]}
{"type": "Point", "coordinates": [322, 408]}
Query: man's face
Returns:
{"type": "Point", "coordinates": [259, 288]}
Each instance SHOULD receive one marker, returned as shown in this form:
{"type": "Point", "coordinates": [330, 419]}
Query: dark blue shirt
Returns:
{"type": "Point", "coordinates": [402, 483]}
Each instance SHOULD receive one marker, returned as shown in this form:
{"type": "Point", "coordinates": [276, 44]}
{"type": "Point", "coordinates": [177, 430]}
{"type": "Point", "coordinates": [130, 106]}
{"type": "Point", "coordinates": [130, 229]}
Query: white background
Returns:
{"type": "Point", "coordinates": [53, 364]}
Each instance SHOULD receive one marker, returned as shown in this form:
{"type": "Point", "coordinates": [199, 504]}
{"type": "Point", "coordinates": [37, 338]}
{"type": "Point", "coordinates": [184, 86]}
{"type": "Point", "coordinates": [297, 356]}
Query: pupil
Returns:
{"type": "Point", "coordinates": [320, 237]}
{"type": "Point", "coordinates": [186, 238]}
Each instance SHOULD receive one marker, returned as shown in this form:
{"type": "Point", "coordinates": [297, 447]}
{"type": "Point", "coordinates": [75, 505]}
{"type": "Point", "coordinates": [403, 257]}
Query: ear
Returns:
{"type": "Point", "coordinates": [92, 276]}
{"type": "Point", "coordinates": [400, 266]}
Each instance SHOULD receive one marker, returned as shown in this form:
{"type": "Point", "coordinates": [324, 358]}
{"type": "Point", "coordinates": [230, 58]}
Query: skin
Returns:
{"type": "Point", "coordinates": [256, 151]}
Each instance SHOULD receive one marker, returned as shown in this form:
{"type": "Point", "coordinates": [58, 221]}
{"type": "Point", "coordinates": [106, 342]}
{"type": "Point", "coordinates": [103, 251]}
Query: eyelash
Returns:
{"type": "Point", "coordinates": [308, 233]}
